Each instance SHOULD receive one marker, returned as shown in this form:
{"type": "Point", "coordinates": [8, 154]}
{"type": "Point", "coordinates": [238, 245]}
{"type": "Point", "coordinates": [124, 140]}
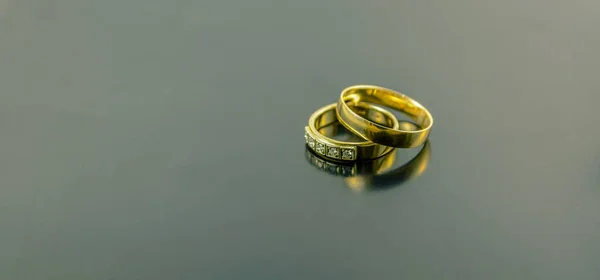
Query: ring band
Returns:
{"type": "Point", "coordinates": [343, 150]}
{"type": "Point", "coordinates": [376, 132]}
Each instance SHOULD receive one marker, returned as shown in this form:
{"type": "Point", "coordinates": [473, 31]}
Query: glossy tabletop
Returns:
{"type": "Point", "coordinates": [147, 139]}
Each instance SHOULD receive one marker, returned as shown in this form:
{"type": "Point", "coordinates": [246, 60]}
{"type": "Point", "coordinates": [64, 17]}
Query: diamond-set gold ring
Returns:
{"type": "Point", "coordinates": [362, 111]}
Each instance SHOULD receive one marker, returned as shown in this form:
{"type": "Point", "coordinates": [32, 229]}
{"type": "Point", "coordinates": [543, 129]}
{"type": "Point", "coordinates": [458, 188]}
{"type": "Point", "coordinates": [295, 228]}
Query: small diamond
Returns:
{"type": "Point", "coordinates": [311, 142]}
{"type": "Point", "coordinates": [305, 137]}
{"type": "Point", "coordinates": [347, 154]}
{"type": "Point", "coordinates": [320, 148]}
{"type": "Point", "coordinates": [333, 152]}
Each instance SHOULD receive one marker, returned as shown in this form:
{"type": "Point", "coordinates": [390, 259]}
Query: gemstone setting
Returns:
{"type": "Point", "coordinates": [311, 142]}
{"type": "Point", "coordinates": [348, 154]}
{"type": "Point", "coordinates": [324, 147]}
{"type": "Point", "coordinates": [333, 152]}
{"type": "Point", "coordinates": [320, 148]}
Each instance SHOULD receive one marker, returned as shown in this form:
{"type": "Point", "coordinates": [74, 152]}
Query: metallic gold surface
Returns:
{"type": "Point", "coordinates": [346, 150]}
{"type": "Point", "coordinates": [376, 132]}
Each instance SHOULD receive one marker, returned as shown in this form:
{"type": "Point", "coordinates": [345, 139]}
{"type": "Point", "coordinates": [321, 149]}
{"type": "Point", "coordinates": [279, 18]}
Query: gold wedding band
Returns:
{"type": "Point", "coordinates": [343, 150]}
{"type": "Point", "coordinates": [376, 132]}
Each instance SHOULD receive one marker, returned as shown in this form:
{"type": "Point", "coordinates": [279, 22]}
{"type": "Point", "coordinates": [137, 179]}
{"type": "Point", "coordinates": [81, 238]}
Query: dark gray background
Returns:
{"type": "Point", "coordinates": [147, 139]}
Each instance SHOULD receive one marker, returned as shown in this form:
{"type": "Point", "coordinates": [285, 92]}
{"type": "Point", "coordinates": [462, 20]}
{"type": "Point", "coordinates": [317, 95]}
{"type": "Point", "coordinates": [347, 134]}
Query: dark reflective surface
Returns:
{"type": "Point", "coordinates": [163, 140]}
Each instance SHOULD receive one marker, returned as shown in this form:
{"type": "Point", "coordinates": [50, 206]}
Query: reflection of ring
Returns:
{"type": "Point", "coordinates": [350, 169]}
{"type": "Point", "coordinates": [376, 132]}
{"type": "Point", "coordinates": [342, 150]}
{"type": "Point", "coordinates": [395, 177]}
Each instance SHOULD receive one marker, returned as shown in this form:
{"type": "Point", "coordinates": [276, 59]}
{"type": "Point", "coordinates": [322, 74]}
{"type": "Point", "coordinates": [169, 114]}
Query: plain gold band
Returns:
{"type": "Point", "coordinates": [343, 150]}
{"type": "Point", "coordinates": [376, 132]}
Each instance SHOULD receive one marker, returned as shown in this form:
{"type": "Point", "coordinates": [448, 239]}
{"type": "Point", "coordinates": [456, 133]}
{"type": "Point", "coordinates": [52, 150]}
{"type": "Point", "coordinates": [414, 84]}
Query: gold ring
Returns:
{"type": "Point", "coordinates": [376, 132]}
{"type": "Point", "coordinates": [343, 150]}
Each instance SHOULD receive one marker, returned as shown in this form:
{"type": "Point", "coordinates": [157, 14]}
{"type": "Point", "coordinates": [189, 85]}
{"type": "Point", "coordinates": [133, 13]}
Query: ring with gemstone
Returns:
{"type": "Point", "coordinates": [345, 150]}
